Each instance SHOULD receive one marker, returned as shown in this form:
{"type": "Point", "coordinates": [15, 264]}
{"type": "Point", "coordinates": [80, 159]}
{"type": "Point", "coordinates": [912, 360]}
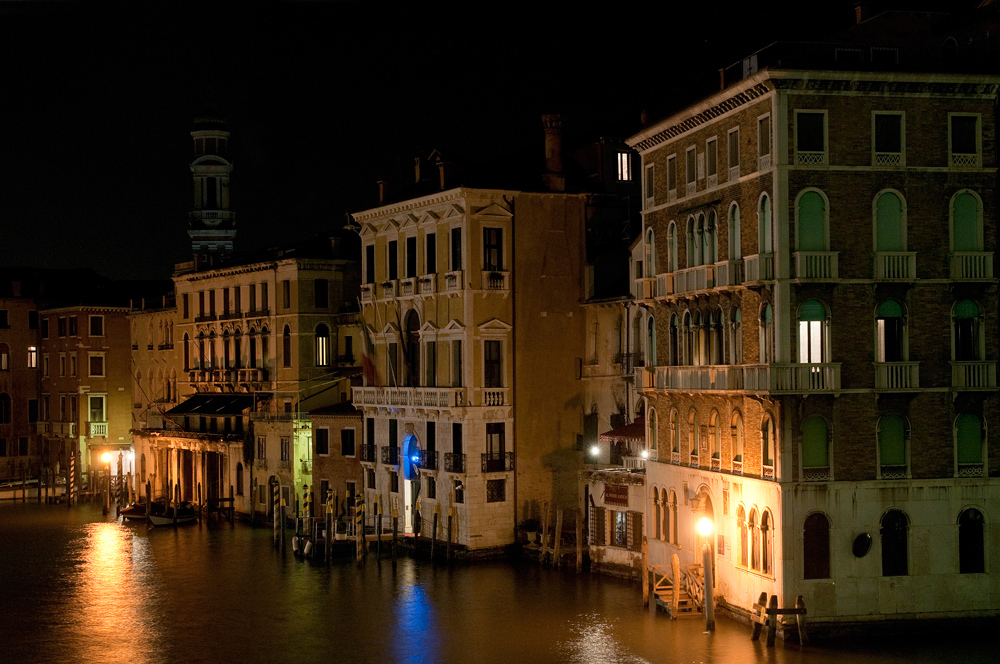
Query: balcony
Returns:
{"type": "Point", "coordinates": [408, 287]}
{"type": "Point", "coordinates": [965, 160]}
{"type": "Point", "coordinates": [628, 362]}
{"type": "Point", "coordinates": [454, 463]}
{"type": "Point", "coordinates": [633, 462]}
{"type": "Point", "coordinates": [897, 375]}
{"type": "Point", "coordinates": [695, 378]}
{"type": "Point", "coordinates": [426, 397]}
{"type": "Point", "coordinates": [970, 470]}
{"type": "Point", "coordinates": [204, 318]}
{"type": "Point", "coordinates": [694, 279]}
{"type": "Point", "coordinates": [888, 160]}
{"type": "Point", "coordinates": [972, 265]}
{"type": "Point", "coordinates": [306, 465]}
{"type": "Point", "coordinates": [712, 181]}
{"type": "Point", "coordinates": [495, 396]}
{"type": "Point", "coordinates": [892, 472]}
{"type": "Point", "coordinates": [453, 281]}
{"type": "Point", "coordinates": [498, 462]}
{"type": "Point", "coordinates": [675, 457]}
{"type": "Point", "coordinates": [767, 472]}
{"type": "Point", "coordinates": [427, 284]}
{"type": "Point", "coordinates": [759, 267]}
{"type": "Point", "coordinates": [496, 280]}
{"type": "Point", "coordinates": [390, 455]}
{"type": "Point", "coordinates": [816, 264]}
{"type": "Point", "coordinates": [388, 289]}
{"type": "Point", "coordinates": [284, 464]}
{"type": "Point", "coordinates": [98, 429]}
{"type": "Point", "coordinates": [729, 273]}
{"type": "Point", "coordinates": [165, 347]}
{"type": "Point", "coordinates": [763, 162]}
{"type": "Point", "coordinates": [257, 313]}
{"type": "Point", "coordinates": [896, 265]}
{"type": "Point", "coordinates": [428, 459]}
{"type": "Point", "coordinates": [664, 285]}
{"type": "Point", "coordinates": [645, 289]}
{"type": "Point", "coordinates": [716, 464]}
{"type": "Point", "coordinates": [366, 453]}
{"type": "Point", "coordinates": [368, 292]}
{"type": "Point", "coordinates": [252, 375]}
{"type": "Point", "coordinates": [734, 173]}
{"type": "Point", "coordinates": [805, 158]}
{"type": "Point", "coordinates": [816, 474]}
{"type": "Point", "coordinates": [260, 463]}
{"type": "Point", "coordinates": [691, 188]}
{"type": "Point", "coordinates": [792, 378]}
{"type": "Point", "coordinates": [973, 375]}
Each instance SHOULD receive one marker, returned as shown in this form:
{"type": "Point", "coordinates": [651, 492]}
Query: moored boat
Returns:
{"type": "Point", "coordinates": [135, 511]}
{"type": "Point", "coordinates": [165, 517]}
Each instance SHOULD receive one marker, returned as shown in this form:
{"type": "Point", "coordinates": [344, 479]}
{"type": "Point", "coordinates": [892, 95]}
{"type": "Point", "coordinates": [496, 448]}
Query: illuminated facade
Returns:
{"type": "Point", "coordinates": [819, 310]}
{"type": "Point", "coordinates": [21, 365]}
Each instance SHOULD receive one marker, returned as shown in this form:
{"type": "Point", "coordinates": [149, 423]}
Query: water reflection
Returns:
{"type": "Point", "coordinates": [416, 636]}
{"type": "Point", "coordinates": [596, 644]}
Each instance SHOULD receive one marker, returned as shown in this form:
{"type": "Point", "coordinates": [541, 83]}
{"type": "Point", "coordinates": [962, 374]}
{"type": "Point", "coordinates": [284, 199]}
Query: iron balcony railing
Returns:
{"type": "Point", "coordinates": [390, 455]}
{"type": "Point", "coordinates": [498, 462]}
{"type": "Point", "coordinates": [428, 459]}
{"type": "Point", "coordinates": [454, 463]}
{"type": "Point", "coordinates": [368, 453]}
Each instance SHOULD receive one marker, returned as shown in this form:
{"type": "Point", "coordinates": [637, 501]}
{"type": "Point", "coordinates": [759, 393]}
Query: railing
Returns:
{"type": "Point", "coordinates": [767, 472]}
{"type": "Point", "coordinates": [257, 313]}
{"type": "Point", "coordinates": [495, 396]}
{"type": "Point", "coordinates": [437, 397]}
{"type": "Point", "coordinates": [427, 284]}
{"type": "Point", "coordinates": [716, 464]}
{"type": "Point", "coordinates": [428, 459]}
{"type": "Point", "coordinates": [671, 196]}
{"type": "Point", "coordinates": [453, 281]}
{"type": "Point", "coordinates": [643, 378]}
{"type": "Point", "coordinates": [693, 460]}
{"type": "Point", "coordinates": [367, 453]}
{"type": "Point", "coordinates": [691, 188]}
{"type": "Point", "coordinates": [974, 375]}
{"type": "Point", "coordinates": [498, 462]}
{"type": "Point", "coordinates": [645, 288]}
{"type": "Point", "coordinates": [252, 375]}
{"type": "Point", "coordinates": [664, 284]}
{"type": "Point", "coordinates": [894, 472]}
{"type": "Point", "coordinates": [792, 377]}
{"type": "Point", "coordinates": [211, 214]}
{"type": "Point", "coordinates": [306, 465]}
{"type": "Point", "coordinates": [888, 159]}
{"type": "Point", "coordinates": [897, 265]}
{"type": "Point", "coordinates": [346, 358]}
{"type": "Point", "coordinates": [98, 429]}
{"type": "Point", "coordinates": [816, 474]}
{"type": "Point", "coordinates": [816, 264]}
{"type": "Point", "coordinates": [970, 470]}
{"type": "Point", "coordinates": [764, 162]}
{"type": "Point", "coordinates": [965, 159]}
{"type": "Point", "coordinates": [368, 292]}
{"type": "Point", "coordinates": [454, 463]}
{"type": "Point", "coordinates": [496, 280]}
{"type": "Point", "coordinates": [809, 158]}
{"type": "Point", "coordinates": [712, 181]}
{"type": "Point", "coordinates": [45, 427]}
{"type": "Point", "coordinates": [759, 267]}
{"type": "Point", "coordinates": [390, 455]}
{"type": "Point", "coordinates": [408, 287]}
{"type": "Point", "coordinates": [897, 375]}
{"type": "Point", "coordinates": [734, 173]}
{"type": "Point", "coordinates": [264, 416]}
{"type": "Point", "coordinates": [697, 378]}
{"type": "Point", "coordinates": [737, 467]}
{"type": "Point", "coordinates": [729, 273]}
{"type": "Point", "coordinates": [204, 318]}
{"type": "Point", "coordinates": [629, 361]}
{"type": "Point", "coordinates": [693, 279]}
{"type": "Point", "coordinates": [972, 265]}
{"type": "Point", "coordinates": [675, 457]}
{"type": "Point", "coordinates": [633, 462]}
{"type": "Point", "coordinates": [165, 347]}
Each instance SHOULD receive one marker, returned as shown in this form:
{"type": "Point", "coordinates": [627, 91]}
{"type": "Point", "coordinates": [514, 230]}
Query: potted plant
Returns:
{"type": "Point", "coordinates": [530, 527]}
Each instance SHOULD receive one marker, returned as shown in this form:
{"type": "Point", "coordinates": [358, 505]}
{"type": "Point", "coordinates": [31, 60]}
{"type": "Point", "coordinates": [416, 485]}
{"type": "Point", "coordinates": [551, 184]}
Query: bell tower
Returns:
{"type": "Point", "coordinates": [211, 224]}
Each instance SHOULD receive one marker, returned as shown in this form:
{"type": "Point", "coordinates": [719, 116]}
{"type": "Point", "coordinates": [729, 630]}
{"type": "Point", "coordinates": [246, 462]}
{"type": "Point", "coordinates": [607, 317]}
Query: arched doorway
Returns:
{"type": "Point", "coordinates": [410, 467]}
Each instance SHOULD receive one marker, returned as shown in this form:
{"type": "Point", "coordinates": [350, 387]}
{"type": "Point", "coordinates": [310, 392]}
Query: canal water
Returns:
{"type": "Point", "coordinates": [76, 586]}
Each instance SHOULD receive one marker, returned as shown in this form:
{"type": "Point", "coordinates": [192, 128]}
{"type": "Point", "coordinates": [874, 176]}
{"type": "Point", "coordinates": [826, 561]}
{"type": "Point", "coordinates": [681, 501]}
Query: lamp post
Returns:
{"type": "Point", "coordinates": [705, 530]}
{"type": "Point", "coordinates": [106, 458]}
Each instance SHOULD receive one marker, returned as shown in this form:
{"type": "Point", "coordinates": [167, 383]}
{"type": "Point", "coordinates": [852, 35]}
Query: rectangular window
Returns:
{"type": "Point", "coordinates": [393, 481]}
{"type": "Point", "coordinates": [764, 142]}
{"type": "Point", "coordinates": [624, 167]}
{"type": "Point", "coordinates": [22, 444]}
{"type": "Point", "coordinates": [712, 160]}
{"type": "Point", "coordinates": [225, 301]}
{"type": "Point", "coordinates": [456, 249]}
{"type": "Point", "coordinates": [619, 529]}
{"type": "Point", "coordinates": [492, 364]}
{"type": "Point", "coordinates": [32, 320]}
{"type": "Point", "coordinates": [322, 293]}
{"type": "Point", "coordinates": [392, 365]}
{"type": "Point", "coordinates": [431, 488]}
{"type": "Point", "coordinates": [393, 433]}
{"type": "Point", "coordinates": [32, 357]}
{"type": "Point", "coordinates": [430, 364]}
{"type": "Point", "coordinates": [690, 167]}
{"type": "Point", "coordinates": [456, 438]}
{"type": "Point", "coordinates": [459, 492]}
{"type": "Point", "coordinates": [964, 139]}
{"type": "Point", "coordinates": [888, 139]}
{"type": "Point", "coordinates": [352, 489]}
{"type": "Point", "coordinates": [392, 260]}
{"type": "Point", "coordinates": [97, 409]}
{"type": "Point", "coordinates": [72, 365]}
{"type": "Point", "coordinates": [61, 326]}
{"type": "Point", "coordinates": [62, 364]}
{"type": "Point", "coordinates": [648, 187]}
{"type": "Point", "coordinates": [411, 257]}
{"type": "Point", "coordinates": [810, 138]}
{"type": "Point", "coordinates": [496, 491]}
{"type": "Point", "coordinates": [430, 442]}
{"type": "Point", "coordinates": [45, 328]}
{"type": "Point", "coordinates": [324, 491]}
{"type": "Point", "coordinates": [347, 442]}
{"type": "Point", "coordinates": [211, 303]}
{"type": "Point", "coordinates": [456, 363]}
{"type": "Point", "coordinates": [286, 448]}
{"type": "Point", "coordinates": [672, 175]}
{"type": "Point", "coordinates": [72, 326]}
{"type": "Point", "coordinates": [431, 245]}
{"type": "Point", "coordinates": [263, 297]}
{"type": "Point", "coordinates": [185, 306]}
{"type": "Point", "coordinates": [237, 304]}
{"type": "Point", "coordinates": [3, 447]}
{"type": "Point", "coordinates": [370, 477]}
{"type": "Point", "coordinates": [370, 433]}
{"type": "Point", "coordinates": [322, 441]}
{"type": "Point", "coordinates": [4, 320]}
{"type": "Point", "coordinates": [45, 364]}
{"type": "Point", "coordinates": [493, 249]}
{"type": "Point", "coordinates": [45, 408]}
{"type": "Point", "coordinates": [495, 446]}
{"type": "Point", "coordinates": [369, 263]}
{"type": "Point", "coordinates": [201, 304]}
{"type": "Point", "coordinates": [253, 298]}
{"type": "Point", "coordinates": [261, 447]}
{"type": "Point", "coordinates": [32, 410]}
{"type": "Point", "coordinates": [286, 294]}
{"type": "Point", "coordinates": [96, 364]}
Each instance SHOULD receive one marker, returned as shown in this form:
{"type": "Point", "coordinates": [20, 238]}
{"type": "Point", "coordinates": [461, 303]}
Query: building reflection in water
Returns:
{"type": "Point", "coordinates": [417, 637]}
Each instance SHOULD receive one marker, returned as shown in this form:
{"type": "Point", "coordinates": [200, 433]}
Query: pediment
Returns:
{"type": "Point", "coordinates": [494, 210]}
{"type": "Point", "coordinates": [495, 325]}
{"type": "Point", "coordinates": [454, 210]}
{"type": "Point", "coordinates": [390, 226]}
{"type": "Point", "coordinates": [409, 221]}
{"type": "Point", "coordinates": [390, 328]}
{"type": "Point", "coordinates": [429, 218]}
{"type": "Point", "coordinates": [454, 326]}
{"type": "Point", "coordinates": [368, 231]}
{"type": "Point", "coordinates": [428, 327]}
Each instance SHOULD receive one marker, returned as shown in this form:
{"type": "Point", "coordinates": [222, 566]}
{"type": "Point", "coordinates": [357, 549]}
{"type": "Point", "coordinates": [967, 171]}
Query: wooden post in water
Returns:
{"type": "Point", "coordinates": [579, 541]}
{"type": "Point", "coordinates": [395, 532]}
{"type": "Point", "coordinates": [545, 534]}
{"type": "Point", "coordinates": [557, 547]}
{"type": "Point", "coordinates": [451, 513]}
{"type": "Point", "coordinates": [177, 501]}
{"type": "Point", "coordinates": [675, 573]}
{"type": "Point", "coordinates": [200, 506]}
{"type": "Point", "coordinates": [232, 504]}
{"type": "Point", "coordinates": [329, 535]}
{"type": "Point", "coordinates": [378, 532]}
{"type": "Point", "coordinates": [645, 572]}
{"type": "Point", "coordinates": [24, 485]}
{"type": "Point", "coordinates": [800, 620]}
{"type": "Point", "coordinates": [149, 501]}
{"type": "Point", "coordinates": [434, 530]}
{"type": "Point", "coordinates": [772, 619]}
{"type": "Point", "coordinates": [755, 626]}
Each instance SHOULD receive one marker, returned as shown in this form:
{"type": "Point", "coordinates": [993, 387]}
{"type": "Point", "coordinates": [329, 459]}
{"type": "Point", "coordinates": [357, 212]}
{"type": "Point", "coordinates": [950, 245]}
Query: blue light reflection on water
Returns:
{"type": "Point", "coordinates": [78, 587]}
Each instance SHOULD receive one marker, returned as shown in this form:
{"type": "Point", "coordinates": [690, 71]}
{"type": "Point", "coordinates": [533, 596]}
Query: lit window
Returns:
{"type": "Point", "coordinates": [322, 346]}
{"type": "Point", "coordinates": [812, 333]}
{"type": "Point", "coordinates": [32, 357]}
{"type": "Point", "coordinates": [624, 167]}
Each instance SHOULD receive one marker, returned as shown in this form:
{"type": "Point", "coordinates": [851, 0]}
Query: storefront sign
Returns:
{"type": "Point", "coordinates": [616, 495]}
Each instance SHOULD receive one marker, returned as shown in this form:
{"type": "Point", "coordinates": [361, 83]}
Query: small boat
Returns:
{"type": "Point", "coordinates": [165, 517]}
{"type": "Point", "coordinates": [135, 511]}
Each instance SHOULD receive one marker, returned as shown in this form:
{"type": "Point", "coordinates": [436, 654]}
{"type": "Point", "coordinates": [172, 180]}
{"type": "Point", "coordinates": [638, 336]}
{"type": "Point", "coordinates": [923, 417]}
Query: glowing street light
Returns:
{"type": "Point", "coordinates": [704, 528]}
{"type": "Point", "coordinates": [595, 450]}
{"type": "Point", "coordinates": [645, 454]}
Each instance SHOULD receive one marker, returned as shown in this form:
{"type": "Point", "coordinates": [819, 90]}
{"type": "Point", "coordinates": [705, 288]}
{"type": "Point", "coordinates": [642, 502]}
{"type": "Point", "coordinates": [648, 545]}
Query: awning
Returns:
{"type": "Point", "coordinates": [635, 432]}
{"type": "Point", "coordinates": [212, 404]}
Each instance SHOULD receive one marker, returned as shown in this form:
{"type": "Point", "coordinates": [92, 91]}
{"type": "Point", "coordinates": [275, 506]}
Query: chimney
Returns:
{"type": "Point", "coordinates": [383, 190]}
{"type": "Point", "coordinates": [643, 118]}
{"type": "Point", "coordinates": [416, 170]}
{"type": "Point", "coordinates": [442, 173]}
{"type": "Point", "coordinates": [860, 11]}
{"type": "Point", "coordinates": [553, 177]}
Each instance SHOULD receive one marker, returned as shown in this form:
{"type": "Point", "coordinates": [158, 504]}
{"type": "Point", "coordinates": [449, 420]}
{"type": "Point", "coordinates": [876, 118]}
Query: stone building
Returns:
{"type": "Point", "coordinates": [820, 317]}
{"type": "Point", "coordinates": [21, 365]}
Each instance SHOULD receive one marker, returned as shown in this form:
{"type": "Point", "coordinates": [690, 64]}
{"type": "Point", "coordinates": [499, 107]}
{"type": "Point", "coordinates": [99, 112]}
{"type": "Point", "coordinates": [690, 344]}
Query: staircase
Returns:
{"type": "Point", "coordinates": [680, 591]}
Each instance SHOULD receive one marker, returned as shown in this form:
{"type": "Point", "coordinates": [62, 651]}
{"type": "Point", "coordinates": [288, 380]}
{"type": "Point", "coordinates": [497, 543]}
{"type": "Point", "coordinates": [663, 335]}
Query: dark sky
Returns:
{"type": "Point", "coordinates": [96, 105]}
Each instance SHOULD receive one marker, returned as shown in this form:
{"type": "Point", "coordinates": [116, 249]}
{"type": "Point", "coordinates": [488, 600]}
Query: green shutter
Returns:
{"type": "Point", "coordinates": [966, 309]}
{"type": "Point", "coordinates": [812, 222]}
{"type": "Point", "coordinates": [889, 223]}
{"type": "Point", "coordinates": [970, 438]}
{"type": "Point", "coordinates": [965, 223]}
{"type": "Point", "coordinates": [890, 309]}
{"type": "Point", "coordinates": [892, 441]}
{"type": "Point", "coordinates": [812, 310]}
{"type": "Point", "coordinates": [814, 443]}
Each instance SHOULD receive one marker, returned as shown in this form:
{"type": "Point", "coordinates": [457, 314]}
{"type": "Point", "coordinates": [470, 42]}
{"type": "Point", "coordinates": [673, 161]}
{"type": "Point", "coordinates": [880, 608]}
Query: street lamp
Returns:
{"type": "Point", "coordinates": [595, 450]}
{"type": "Point", "coordinates": [106, 458]}
{"type": "Point", "coordinates": [704, 528]}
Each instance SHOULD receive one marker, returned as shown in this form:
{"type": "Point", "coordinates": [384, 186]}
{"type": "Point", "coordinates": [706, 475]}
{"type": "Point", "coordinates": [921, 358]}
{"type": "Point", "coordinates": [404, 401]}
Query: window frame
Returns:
{"type": "Point", "coordinates": [733, 165]}
{"type": "Point", "coordinates": [321, 436]}
{"type": "Point", "coordinates": [977, 161]}
{"type": "Point", "coordinates": [812, 157]}
{"type": "Point", "coordinates": [764, 159]}
{"type": "Point", "coordinates": [649, 185]}
{"type": "Point", "coordinates": [902, 141]}
{"type": "Point", "coordinates": [711, 165]}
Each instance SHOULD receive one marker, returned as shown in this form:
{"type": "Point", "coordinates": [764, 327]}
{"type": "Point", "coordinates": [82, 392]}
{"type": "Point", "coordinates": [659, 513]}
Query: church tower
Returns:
{"type": "Point", "coordinates": [212, 225]}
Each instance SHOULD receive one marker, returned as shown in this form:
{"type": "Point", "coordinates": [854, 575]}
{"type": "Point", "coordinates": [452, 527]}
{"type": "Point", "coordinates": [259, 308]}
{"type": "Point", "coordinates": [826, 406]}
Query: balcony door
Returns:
{"type": "Point", "coordinates": [410, 466]}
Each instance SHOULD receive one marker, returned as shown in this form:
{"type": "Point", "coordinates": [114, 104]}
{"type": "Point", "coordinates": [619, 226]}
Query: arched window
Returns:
{"type": "Point", "coordinates": [754, 540]}
{"type": "Point", "coordinates": [651, 340]}
{"type": "Point", "coordinates": [710, 241]}
{"type": "Point", "coordinates": [813, 333]}
{"type": "Point", "coordinates": [735, 251]}
{"type": "Point", "coordinates": [674, 342]}
{"type": "Point", "coordinates": [652, 435]}
{"type": "Point", "coordinates": [969, 445]}
{"type": "Point", "coordinates": [688, 333]}
{"type": "Point", "coordinates": [715, 436]}
{"type": "Point", "coordinates": [894, 543]}
{"type": "Point", "coordinates": [741, 519]}
{"type": "Point", "coordinates": [735, 337]}
{"type": "Point", "coordinates": [322, 346]}
{"type": "Point", "coordinates": [766, 334]}
{"type": "Point", "coordinates": [665, 530]}
{"type": "Point", "coordinates": [815, 449]}
{"type": "Point", "coordinates": [767, 542]}
{"type": "Point", "coordinates": [672, 247]}
{"type": "Point", "coordinates": [657, 517]}
{"type": "Point", "coordinates": [237, 350]}
{"type": "Point", "coordinates": [265, 353]}
{"type": "Point", "coordinates": [893, 435]}
{"type": "Point", "coordinates": [693, 433]}
{"type": "Point", "coordinates": [137, 389]}
{"type": "Point", "coordinates": [4, 357]}
{"type": "Point", "coordinates": [697, 340]}
{"type": "Point", "coordinates": [811, 216]}
{"type": "Point", "coordinates": [675, 432]}
{"type": "Point", "coordinates": [693, 253]}
{"type": "Point", "coordinates": [650, 254]}
{"type": "Point", "coordinates": [966, 223]}
{"type": "Point", "coordinates": [766, 239]}
{"type": "Point", "coordinates": [202, 364]}
{"type": "Point", "coordinates": [965, 331]}
{"type": "Point", "coordinates": [971, 540]}
{"type": "Point", "coordinates": [767, 442]}
{"type": "Point", "coordinates": [239, 479]}
{"type": "Point", "coordinates": [816, 547]}
{"type": "Point", "coordinates": [890, 224]}
{"type": "Point", "coordinates": [187, 352]}
{"type": "Point", "coordinates": [890, 332]}
{"type": "Point", "coordinates": [212, 361]}
{"type": "Point", "coordinates": [142, 468]}
{"type": "Point", "coordinates": [672, 504]}
{"type": "Point", "coordinates": [252, 350]}
{"type": "Point", "coordinates": [286, 347]}
{"type": "Point", "coordinates": [227, 358]}
{"type": "Point", "coordinates": [736, 430]}
{"type": "Point", "coordinates": [715, 319]}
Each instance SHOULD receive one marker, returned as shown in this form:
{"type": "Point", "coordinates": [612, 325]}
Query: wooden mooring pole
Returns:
{"type": "Point", "coordinates": [557, 547]}
{"type": "Point", "coordinates": [545, 534]}
{"type": "Point", "coordinates": [579, 541]}
{"type": "Point", "coordinates": [645, 571]}
{"type": "Point", "coordinates": [448, 550]}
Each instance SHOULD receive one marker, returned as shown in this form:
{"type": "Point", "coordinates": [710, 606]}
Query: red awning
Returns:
{"type": "Point", "coordinates": [635, 432]}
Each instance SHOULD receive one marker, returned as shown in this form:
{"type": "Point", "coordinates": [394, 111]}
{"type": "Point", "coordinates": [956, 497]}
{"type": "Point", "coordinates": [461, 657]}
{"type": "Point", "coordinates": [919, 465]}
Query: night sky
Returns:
{"type": "Point", "coordinates": [322, 99]}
